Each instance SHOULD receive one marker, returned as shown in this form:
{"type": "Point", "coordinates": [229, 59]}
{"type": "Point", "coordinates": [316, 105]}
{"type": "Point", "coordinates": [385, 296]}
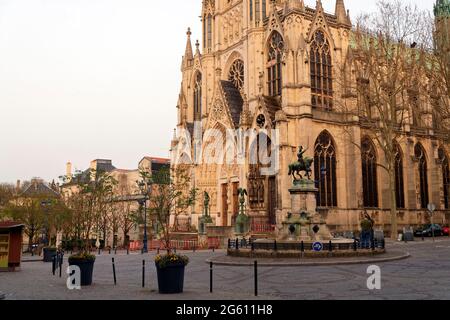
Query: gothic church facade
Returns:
{"type": "Point", "coordinates": [272, 65]}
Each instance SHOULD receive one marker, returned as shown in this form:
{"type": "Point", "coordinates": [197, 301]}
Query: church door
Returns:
{"type": "Point", "coordinates": [271, 207]}
{"type": "Point", "coordinates": [235, 202]}
{"type": "Point", "coordinates": [225, 205]}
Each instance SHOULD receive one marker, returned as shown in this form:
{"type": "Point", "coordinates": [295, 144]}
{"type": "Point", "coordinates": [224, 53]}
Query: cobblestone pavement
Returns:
{"type": "Point", "coordinates": [426, 275]}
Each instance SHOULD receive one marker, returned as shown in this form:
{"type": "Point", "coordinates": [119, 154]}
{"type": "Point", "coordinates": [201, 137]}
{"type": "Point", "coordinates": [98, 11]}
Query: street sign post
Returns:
{"type": "Point", "coordinates": [431, 210]}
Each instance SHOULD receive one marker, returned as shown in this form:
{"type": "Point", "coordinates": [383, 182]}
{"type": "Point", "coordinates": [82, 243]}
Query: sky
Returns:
{"type": "Point", "coordinates": [95, 79]}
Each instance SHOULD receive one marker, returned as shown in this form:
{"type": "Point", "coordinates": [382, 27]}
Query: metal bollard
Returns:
{"type": "Point", "coordinates": [275, 246]}
{"type": "Point", "coordinates": [256, 278]}
{"type": "Point", "coordinates": [54, 265]}
{"type": "Point", "coordinates": [109, 250]}
{"type": "Point", "coordinates": [302, 247]}
{"type": "Point", "coordinates": [61, 261]}
{"type": "Point", "coordinates": [143, 273]}
{"type": "Point", "coordinates": [237, 244]}
{"type": "Point", "coordinates": [210, 277]}
{"type": "Point", "coordinates": [355, 245]}
{"type": "Point", "coordinates": [330, 246]}
{"type": "Point", "coordinates": [114, 271]}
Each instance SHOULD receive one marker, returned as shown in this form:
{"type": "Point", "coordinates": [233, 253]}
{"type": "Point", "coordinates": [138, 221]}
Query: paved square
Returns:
{"type": "Point", "coordinates": [426, 275]}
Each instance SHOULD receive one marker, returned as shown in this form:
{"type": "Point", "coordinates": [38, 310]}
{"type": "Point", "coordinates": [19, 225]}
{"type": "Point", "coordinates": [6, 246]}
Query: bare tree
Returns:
{"type": "Point", "coordinates": [7, 192]}
{"type": "Point", "coordinates": [171, 195]}
{"type": "Point", "coordinates": [380, 93]}
{"type": "Point", "coordinates": [127, 217]}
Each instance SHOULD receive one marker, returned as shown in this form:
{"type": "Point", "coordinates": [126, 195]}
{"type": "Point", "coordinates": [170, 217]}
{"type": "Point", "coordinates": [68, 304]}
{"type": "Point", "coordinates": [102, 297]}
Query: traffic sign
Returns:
{"type": "Point", "coordinates": [318, 246]}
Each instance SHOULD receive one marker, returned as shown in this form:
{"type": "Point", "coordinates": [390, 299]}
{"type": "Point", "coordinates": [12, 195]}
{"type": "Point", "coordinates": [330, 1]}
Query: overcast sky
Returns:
{"type": "Point", "coordinates": [88, 79]}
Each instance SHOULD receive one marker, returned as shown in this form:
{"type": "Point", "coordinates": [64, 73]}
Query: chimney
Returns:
{"type": "Point", "coordinates": [18, 185]}
{"type": "Point", "coordinates": [69, 171]}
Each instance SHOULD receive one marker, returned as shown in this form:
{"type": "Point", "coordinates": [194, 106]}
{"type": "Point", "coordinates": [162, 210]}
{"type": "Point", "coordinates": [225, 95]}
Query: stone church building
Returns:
{"type": "Point", "coordinates": [271, 66]}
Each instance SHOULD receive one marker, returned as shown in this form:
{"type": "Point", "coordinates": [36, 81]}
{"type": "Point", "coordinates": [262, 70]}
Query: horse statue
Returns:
{"type": "Point", "coordinates": [302, 165]}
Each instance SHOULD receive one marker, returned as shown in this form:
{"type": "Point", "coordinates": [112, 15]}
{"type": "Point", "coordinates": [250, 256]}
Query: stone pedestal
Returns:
{"type": "Point", "coordinates": [304, 223]}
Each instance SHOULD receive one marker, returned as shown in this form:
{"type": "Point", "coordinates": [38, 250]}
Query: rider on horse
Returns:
{"type": "Point", "coordinates": [300, 154]}
{"type": "Point", "coordinates": [303, 164]}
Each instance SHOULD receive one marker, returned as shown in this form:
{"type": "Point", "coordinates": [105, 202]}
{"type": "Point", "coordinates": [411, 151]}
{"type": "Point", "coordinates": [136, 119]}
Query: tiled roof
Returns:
{"type": "Point", "coordinates": [272, 105]}
{"type": "Point", "coordinates": [157, 160]}
{"type": "Point", "coordinates": [10, 225]}
{"type": "Point", "coordinates": [39, 188]}
{"type": "Point", "coordinates": [234, 101]}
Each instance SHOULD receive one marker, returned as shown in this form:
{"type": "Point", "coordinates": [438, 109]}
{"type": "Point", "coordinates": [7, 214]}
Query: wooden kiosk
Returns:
{"type": "Point", "coordinates": [10, 245]}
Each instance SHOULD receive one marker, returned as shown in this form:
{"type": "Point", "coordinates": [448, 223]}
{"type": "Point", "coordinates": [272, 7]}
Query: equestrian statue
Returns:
{"type": "Point", "coordinates": [302, 165]}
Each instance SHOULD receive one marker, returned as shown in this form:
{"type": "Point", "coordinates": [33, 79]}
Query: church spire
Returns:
{"type": "Point", "coordinates": [341, 14]}
{"type": "Point", "coordinates": [188, 55]}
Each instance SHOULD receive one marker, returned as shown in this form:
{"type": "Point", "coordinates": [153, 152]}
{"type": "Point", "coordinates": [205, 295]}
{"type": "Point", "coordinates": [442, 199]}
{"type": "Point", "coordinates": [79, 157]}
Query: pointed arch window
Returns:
{"type": "Point", "coordinates": [369, 174]}
{"type": "Point", "coordinates": [321, 72]}
{"type": "Point", "coordinates": [325, 170]}
{"type": "Point", "coordinates": [399, 182]}
{"type": "Point", "coordinates": [205, 28]}
{"type": "Point", "coordinates": [251, 10]}
{"type": "Point", "coordinates": [264, 9]}
{"type": "Point", "coordinates": [276, 47]}
{"type": "Point", "coordinates": [421, 158]}
{"type": "Point", "coordinates": [209, 31]}
{"type": "Point", "coordinates": [198, 97]}
{"type": "Point", "coordinates": [445, 176]}
{"type": "Point", "coordinates": [236, 74]}
{"type": "Point", "coordinates": [257, 11]}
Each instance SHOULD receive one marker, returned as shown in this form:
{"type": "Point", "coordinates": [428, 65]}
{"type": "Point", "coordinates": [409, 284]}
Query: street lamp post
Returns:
{"type": "Point", "coordinates": [145, 187]}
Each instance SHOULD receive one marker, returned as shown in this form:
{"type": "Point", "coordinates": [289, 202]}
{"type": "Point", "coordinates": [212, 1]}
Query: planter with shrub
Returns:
{"type": "Point", "coordinates": [49, 253]}
{"type": "Point", "coordinates": [85, 262]}
{"type": "Point", "coordinates": [170, 270]}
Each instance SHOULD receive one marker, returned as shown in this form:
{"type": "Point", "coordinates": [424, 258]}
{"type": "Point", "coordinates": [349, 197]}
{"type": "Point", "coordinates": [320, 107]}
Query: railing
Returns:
{"type": "Point", "coordinates": [262, 228]}
{"type": "Point", "coordinates": [213, 243]}
{"type": "Point", "coordinates": [238, 244]}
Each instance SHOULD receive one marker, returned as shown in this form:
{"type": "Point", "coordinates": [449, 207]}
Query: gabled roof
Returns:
{"type": "Point", "coordinates": [6, 225]}
{"type": "Point", "coordinates": [157, 160]}
{"type": "Point", "coordinates": [272, 105]}
{"type": "Point", "coordinates": [234, 101]}
{"type": "Point", "coordinates": [38, 187]}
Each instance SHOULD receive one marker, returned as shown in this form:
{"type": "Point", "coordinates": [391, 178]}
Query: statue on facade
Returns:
{"type": "Point", "coordinates": [206, 201]}
{"type": "Point", "coordinates": [242, 194]}
{"type": "Point", "coordinates": [303, 164]}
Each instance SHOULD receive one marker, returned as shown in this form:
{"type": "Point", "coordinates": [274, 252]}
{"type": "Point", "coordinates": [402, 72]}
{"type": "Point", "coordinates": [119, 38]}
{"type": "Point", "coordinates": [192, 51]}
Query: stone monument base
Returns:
{"type": "Point", "coordinates": [304, 223]}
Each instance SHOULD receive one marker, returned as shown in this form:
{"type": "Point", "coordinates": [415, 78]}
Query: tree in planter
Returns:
{"type": "Point", "coordinates": [170, 195]}
{"type": "Point", "coordinates": [88, 203]}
